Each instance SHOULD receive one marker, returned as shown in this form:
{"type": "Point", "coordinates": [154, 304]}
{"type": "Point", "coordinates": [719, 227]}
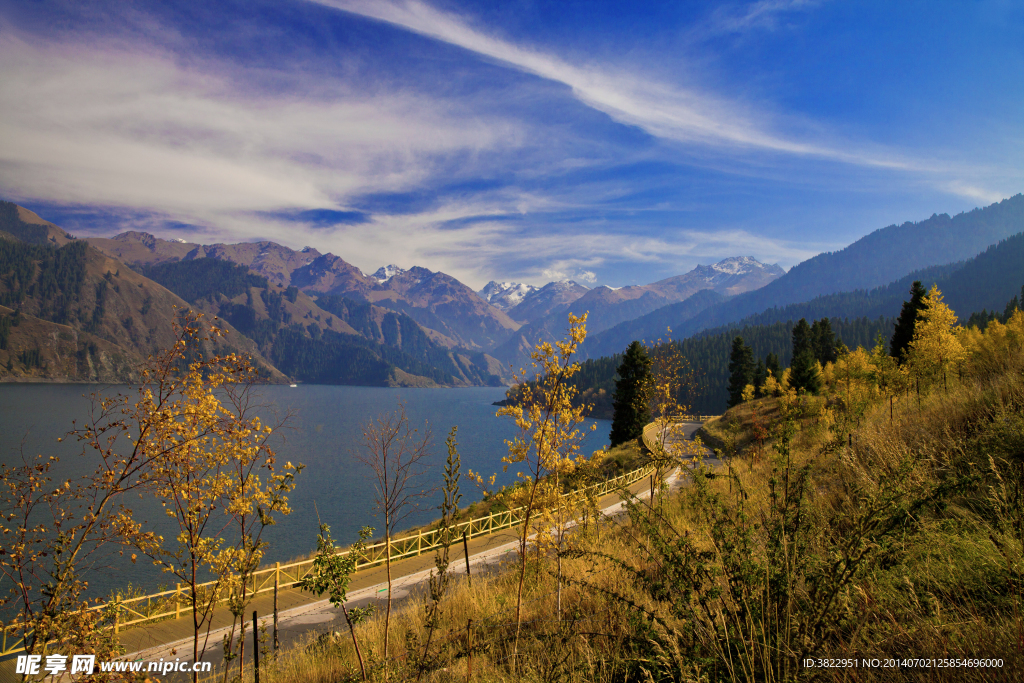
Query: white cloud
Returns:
{"type": "Point", "coordinates": [971, 191]}
{"type": "Point", "coordinates": [664, 110]}
{"type": "Point", "coordinates": [764, 14]}
{"type": "Point", "coordinates": [128, 128]}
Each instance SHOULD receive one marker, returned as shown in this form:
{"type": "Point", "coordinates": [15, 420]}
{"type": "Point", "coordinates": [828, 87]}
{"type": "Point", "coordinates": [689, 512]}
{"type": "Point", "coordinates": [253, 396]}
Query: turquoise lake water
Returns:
{"type": "Point", "coordinates": [324, 435]}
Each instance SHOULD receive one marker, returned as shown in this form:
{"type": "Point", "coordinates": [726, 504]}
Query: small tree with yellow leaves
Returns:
{"type": "Point", "coordinates": [936, 345]}
{"type": "Point", "coordinates": [673, 385]}
{"type": "Point", "coordinates": [49, 531]}
{"type": "Point", "coordinates": [890, 377]}
{"type": "Point", "coordinates": [191, 432]}
{"type": "Point", "coordinates": [549, 437]}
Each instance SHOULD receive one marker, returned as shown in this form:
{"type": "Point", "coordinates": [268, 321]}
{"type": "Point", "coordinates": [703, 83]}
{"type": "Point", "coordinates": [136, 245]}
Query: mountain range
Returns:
{"type": "Point", "coordinates": [312, 316]}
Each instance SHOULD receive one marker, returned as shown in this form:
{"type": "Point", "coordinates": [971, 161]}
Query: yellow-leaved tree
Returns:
{"type": "Point", "coordinates": [548, 441]}
{"type": "Point", "coordinates": [673, 386]}
{"type": "Point", "coordinates": [890, 377]}
{"type": "Point", "coordinates": [936, 345]}
{"type": "Point", "coordinates": [200, 449]}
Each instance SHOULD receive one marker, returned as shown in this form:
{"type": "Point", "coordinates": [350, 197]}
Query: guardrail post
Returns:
{"type": "Point", "coordinates": [465, 548]}
{"type": "Point", "coordinates": [177, 601]}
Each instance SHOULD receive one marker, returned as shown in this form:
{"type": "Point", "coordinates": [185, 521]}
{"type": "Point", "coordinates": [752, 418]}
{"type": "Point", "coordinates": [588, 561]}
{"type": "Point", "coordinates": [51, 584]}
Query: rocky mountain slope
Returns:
{"type": "Point", "coordinates": [72, 313]}
{"type": "Point", "coordinates": [326, 339]}
{"type": "Point", "coordinates": [75, 314]}
{"type": "Point", "coordinates": [454, 313]}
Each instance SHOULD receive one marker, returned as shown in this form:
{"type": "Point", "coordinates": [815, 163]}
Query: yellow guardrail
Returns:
{"type": "Point", "coordinates": [652, 433]}
{"type": "Point", "coordinates": [175, 603]}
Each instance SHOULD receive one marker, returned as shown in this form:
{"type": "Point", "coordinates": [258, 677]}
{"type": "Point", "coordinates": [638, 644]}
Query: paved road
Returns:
{"type": "Point", "coordinates": [300, 613]}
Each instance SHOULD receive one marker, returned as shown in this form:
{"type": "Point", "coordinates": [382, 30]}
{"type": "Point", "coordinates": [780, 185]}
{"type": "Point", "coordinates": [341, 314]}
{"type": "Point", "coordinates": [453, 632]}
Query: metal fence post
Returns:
{"type": "Point", "coordinates": [465, 548]}
{"type": "Point", "coordinates": [255, 646]}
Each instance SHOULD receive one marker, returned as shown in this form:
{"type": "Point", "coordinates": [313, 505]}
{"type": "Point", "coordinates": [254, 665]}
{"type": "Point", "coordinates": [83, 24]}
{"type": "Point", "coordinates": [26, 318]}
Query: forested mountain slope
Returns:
{"type": "Point", "coordinates": [875, 260]}
{"type": "Point", "coordinates": [986, 281]}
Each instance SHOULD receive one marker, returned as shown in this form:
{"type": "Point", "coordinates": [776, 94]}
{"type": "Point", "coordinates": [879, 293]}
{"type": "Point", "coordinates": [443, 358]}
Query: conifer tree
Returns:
{"type": "Point", "coordinates": [903, 332]}
{"type": "Point", "coordinates": [631, 394]}
{"type": "Point", "coordinates": [760, 376]}
{"type": "Point", "coordinates": [824, 341]}
{"type": "Point", "coordinates": [741, 370]}
{"type": "Point", "coordinates": [771, 364]}
{"type": "Point", "coordinates": [804, 369]}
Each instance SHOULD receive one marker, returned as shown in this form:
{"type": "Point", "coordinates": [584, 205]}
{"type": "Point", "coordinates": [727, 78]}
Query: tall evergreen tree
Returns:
{"type": "Point", "coordinates": [760, 376]}
{"type": "Point", "coordinates": [631, 389]}
{"type": "Point", "coordinates": [804, 369]}
{"type": "Point", "coordinates": [824, 340]}
{"type": "Point", "coordinates": [741, 370]}
{"type": "Point", "coordinates": [903, 331]}
{"type": "Point", "coordinates": [771, 363]}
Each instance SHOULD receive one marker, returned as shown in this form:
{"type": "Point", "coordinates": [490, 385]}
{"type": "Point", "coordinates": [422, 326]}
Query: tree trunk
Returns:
{"type": "Point", "coordinates": [522, 572]}
{"type": "Point", "coordinates": [355, 643]}
{"type": "Point", "coordinates": [387, 614]}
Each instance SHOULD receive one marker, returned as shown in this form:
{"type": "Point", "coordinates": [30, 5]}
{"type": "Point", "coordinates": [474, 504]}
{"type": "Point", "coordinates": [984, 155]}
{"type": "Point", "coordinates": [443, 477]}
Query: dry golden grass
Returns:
{"type": "Point", "coordinates": [944, 581]}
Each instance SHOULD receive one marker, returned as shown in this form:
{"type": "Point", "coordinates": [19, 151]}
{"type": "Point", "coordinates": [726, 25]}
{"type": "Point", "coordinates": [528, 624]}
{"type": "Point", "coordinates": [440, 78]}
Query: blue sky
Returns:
{"type": "Point", "coordinates": [609, 142]}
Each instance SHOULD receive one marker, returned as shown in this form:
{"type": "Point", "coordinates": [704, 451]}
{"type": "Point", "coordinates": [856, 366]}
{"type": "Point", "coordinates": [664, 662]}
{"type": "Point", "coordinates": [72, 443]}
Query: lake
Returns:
{"type": "Point", "coordinates": [324, 434]}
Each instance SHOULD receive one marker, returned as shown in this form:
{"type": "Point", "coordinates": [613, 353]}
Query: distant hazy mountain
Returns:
{"type": "Point", "coordinates": [607, 307]}
{"type": "Point", "coordinates": [984, 282]}
{"type": "Point", "coordinates": [651, 327]}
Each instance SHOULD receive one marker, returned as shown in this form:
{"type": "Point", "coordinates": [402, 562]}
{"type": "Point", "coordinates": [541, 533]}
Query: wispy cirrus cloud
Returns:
{"type": "Point", "coordinates": [123, 126]}
{"type": "Point", "coordinates": [501, 158]}
{"type": "Point", "coordinates": [761, 15]}
{"type": "Point", "coordinates": [662, 109]}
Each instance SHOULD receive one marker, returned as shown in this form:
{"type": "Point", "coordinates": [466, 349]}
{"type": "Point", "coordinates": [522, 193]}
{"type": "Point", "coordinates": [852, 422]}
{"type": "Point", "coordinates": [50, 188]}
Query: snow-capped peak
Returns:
{"type": "Point", "coordinates": [385, 273]}
{"type": "Point", "coordinates": [737, 265]}
{"type": "Point", "coordinates": [506, 295]}
{"type": "Point", "coordinates": [179, 240]}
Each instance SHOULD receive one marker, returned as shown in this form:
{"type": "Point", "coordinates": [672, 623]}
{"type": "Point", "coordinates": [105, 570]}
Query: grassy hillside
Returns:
{"type": "Point", "coordinates": [838, 527]}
